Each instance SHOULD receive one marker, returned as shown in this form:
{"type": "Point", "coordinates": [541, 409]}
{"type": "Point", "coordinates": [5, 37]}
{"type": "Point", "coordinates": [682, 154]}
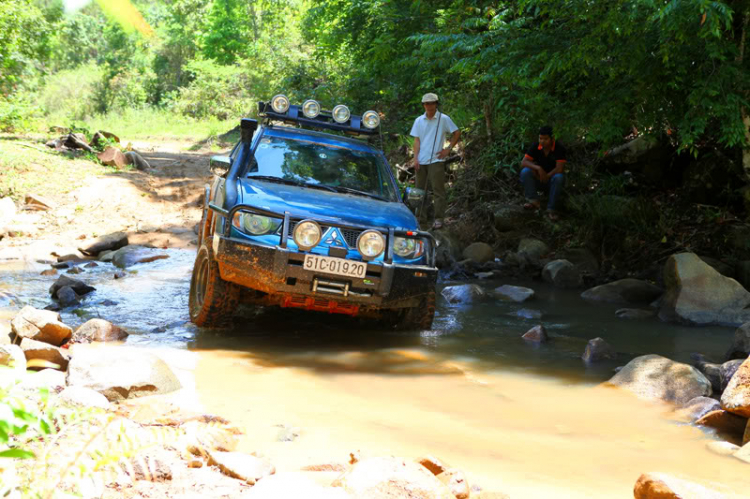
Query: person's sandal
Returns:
{"type": "Point", "coordinates": [553, 216]}
{"type": "Point", "coordinates": [530, 206]}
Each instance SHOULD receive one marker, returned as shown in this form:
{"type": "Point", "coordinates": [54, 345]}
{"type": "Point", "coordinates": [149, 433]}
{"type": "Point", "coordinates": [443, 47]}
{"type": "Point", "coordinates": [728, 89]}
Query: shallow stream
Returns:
{"type": "Point", "coordinates": [310, 388]}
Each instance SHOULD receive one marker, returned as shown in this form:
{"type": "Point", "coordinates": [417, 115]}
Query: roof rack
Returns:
{"type": "Point", "coordinates": [324, 120]}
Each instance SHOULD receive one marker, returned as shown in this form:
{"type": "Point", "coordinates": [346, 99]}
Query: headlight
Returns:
{"type": "Point", "coordinates": [407, 247]}
{"type": "Point", "coordinates": [307, 234]}
{"type": "Point", "coordinates": [341, 113]}
{"type": "Point", "coordinates": [256, 225]}
{"type": "Point", "coordinates": [311, 108]}
{"type": "Point", "coordinates": [370, 243]}
{"type": "Point", "coordinates": [280, 104]}
{"type": "Point", "coordinates": [371, 119]}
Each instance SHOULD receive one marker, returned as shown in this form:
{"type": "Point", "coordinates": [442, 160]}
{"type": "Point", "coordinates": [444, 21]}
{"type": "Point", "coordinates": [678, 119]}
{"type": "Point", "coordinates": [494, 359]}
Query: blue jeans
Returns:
{"type": "Point", "coordinates": [531, 185]}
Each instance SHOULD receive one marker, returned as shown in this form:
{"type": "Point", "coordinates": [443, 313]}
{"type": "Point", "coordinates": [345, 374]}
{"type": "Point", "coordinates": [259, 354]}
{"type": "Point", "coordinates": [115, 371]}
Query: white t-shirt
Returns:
{"type": "Point", "coordinates": [424, 128]}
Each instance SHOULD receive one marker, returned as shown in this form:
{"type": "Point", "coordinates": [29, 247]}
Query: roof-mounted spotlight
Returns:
{"type": "Point", "coordinates": [280, 104]}
{"type": "Point", "coordinates": [371, 119]}
{"type": "Point", "coordinates": [311, 108]}
{"type": "Point", "coordinates": [341, 114]}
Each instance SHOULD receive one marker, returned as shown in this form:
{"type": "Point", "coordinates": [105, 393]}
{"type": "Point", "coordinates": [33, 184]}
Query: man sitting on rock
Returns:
{"type": "Point", "coordinates": [542, 168]}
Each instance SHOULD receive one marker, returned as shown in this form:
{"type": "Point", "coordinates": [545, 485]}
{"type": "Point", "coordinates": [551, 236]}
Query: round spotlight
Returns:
{"type": "Point", "coordinates": [341, 114]}
{"type": "Point", "coordinates": [371, 119]}
{"type": "Point", "coordinates": [307, 234]}
{"type": "Point", "coordinates": [311, 108]}
{"type": "Point", "coordinates": [370, 244]}
{"type": "Point", "coordinates": [280, 103]}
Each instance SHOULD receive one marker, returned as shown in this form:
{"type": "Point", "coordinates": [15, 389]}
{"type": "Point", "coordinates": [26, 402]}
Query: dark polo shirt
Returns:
{"type": "Point", "coordinates": [557, 153]}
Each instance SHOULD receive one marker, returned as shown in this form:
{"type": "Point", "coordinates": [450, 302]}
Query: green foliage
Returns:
{"type": "Point", "coordinates": [216, 91]}
{"type": "Point", "coordinates": [23, 43]}
{"type": "Point", "coordinates": [70, 94]}
{"type": "Point", "coordinates": [227, 37]}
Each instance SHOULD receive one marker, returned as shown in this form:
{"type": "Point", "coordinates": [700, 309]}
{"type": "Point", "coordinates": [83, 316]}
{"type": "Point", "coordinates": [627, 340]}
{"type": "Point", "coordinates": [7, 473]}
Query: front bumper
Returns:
{"type": "Point", "coordinates": [279, 273]}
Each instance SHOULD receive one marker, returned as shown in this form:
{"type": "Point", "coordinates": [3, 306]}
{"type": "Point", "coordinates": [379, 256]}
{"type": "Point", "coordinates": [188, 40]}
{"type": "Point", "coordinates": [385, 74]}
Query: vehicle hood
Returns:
{"type": "Point", "coordinates": [305, 202]}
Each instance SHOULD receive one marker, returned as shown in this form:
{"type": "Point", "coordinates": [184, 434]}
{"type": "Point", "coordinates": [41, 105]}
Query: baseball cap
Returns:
{"type": "Point", "coordinates": [429, 97]}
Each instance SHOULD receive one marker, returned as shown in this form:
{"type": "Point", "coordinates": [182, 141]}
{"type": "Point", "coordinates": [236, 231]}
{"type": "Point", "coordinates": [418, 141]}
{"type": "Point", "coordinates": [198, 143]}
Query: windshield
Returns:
{"type": "Point", "coordinates": [313, 163]}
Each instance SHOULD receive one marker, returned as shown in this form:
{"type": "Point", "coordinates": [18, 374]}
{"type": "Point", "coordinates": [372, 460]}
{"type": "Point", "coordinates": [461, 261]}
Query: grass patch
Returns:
{"type": "Point", "coordinates": [27, 168]}
{"type": "Point", "coordinates": [149, 123]}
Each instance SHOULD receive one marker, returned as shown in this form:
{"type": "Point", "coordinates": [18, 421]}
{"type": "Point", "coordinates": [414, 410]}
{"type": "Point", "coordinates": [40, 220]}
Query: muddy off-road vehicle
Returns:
{"type": "Point", "coordinates": [296, 217]}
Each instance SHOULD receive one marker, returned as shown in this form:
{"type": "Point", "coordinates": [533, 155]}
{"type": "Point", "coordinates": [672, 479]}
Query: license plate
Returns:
{"type": "Point", "coordinates": [337, 266]}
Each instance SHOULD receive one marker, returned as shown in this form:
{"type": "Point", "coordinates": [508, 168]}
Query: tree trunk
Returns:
{"type": "Point", "coordinates": [488, 118]}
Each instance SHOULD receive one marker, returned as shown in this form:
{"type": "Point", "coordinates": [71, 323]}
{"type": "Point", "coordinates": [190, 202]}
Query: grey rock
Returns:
{"type": "Point", "coordinates": [583, 259]}
{"type": "Point", "coordinates": [479, 252]}
{"type": "Point", "coordinates": [121, 372]}
{"type": "Point", "coordinates": [634, 313]}
{"type": "Point", "coordinates": [51, 379]}
{"type": "Point", "coordinates": [80, 287]}
{"type": "Point", "coordinates": [464, 293]}
{"type": "Point", "coordinates": [110, 242]}
{"type": "Point", "coordinates": [627, 291]}
{"type": "Point", "coordinates": [537, 334]}
{"type": "Point", "coordinates": [711, 371]}
{"type": "Point", "coordinates": [75, 270]}
{"type": "Point", "coordinates": [532, 250]}
{"type": "Point", "coordinates": [67, 297]}
{"type": "Point", "coordinates": [106, 256]}
{"type": "Point", "coordinates": [656, 378]}
{"type": "Point", "coordinates": [698, 294]}
{"type": "Point", "coordinates": [722, 268]}
{"type": "Point", "coordinates": [562, 274]}
{"type": "Point", "coordinates": [597, 350]}
{"type": "Point", "coordinates": [131, 255]}
{"type": "Point", "coordinates": [740, 348]}
{"type": "Point", "coordinates": [511, 217]}
{"type": "Point", "coordinates": [517, 294]}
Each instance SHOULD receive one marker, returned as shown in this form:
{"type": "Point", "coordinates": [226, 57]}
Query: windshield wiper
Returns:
{"type": "Point", "coordinates": [349, 190]}
{"type": "Point", "coordinates": [320, 186]}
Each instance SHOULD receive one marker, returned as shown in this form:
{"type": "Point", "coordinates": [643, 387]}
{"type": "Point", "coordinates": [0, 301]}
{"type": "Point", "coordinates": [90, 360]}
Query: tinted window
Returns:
{"type": "Point", "coordinates": [316, 163]}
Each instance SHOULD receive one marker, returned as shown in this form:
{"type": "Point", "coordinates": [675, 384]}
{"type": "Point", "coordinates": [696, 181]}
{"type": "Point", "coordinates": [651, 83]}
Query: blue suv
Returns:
{"type": "Point", "coordinates": [295, 217]}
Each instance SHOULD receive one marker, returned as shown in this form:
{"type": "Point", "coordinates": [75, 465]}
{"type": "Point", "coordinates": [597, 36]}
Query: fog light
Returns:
{"type": "Point", "coordinates": [341, 114]}
{"type": "Point", "coordinates": [306, 234]}
{"type": "Point", "coordinates": [280, 103]}
{"type": "Point", "coordinates": [370, 243]}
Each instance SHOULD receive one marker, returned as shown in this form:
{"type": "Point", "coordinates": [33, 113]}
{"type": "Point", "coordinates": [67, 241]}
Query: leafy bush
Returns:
{"type": "Point", "coordinates": [70, 94]}
{"type": "Point", "coordinates": [216, 92]}
{"type": "Point", "coordinates": [19, 112]}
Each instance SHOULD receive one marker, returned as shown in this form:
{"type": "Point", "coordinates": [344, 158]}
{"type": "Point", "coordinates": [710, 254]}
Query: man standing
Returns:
{"type": "Point", "coordinates": [543, 167]}
{"type": "Point", "coordinates": [430, 131]}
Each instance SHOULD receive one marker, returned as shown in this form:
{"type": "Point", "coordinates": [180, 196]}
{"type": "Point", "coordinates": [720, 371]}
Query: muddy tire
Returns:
{"type": "Point", "coordinates": [212, 299]}
{"type": "Point", "coordinates": [419, 317]}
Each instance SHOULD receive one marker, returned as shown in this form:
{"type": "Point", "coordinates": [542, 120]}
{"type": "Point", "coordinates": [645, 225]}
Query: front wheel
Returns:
{"type": "Point", "coordinates": [419, 317]}
{"type": "Point", "coordinates": [212, 299]}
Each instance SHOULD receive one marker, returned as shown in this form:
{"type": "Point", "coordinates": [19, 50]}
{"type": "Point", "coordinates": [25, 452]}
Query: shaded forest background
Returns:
{"type": "Point", "coordinates": [672, 73]}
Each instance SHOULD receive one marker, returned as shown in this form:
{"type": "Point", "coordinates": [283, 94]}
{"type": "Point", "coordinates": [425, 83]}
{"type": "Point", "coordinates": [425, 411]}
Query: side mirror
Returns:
{"type": "Point", "coordinates": [413, 197]}
{"type": "Point", "coordinates": [219, 165]}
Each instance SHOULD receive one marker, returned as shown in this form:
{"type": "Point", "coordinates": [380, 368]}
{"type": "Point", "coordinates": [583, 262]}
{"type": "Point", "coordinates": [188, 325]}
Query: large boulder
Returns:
{"type": "Point", "coordinates": [517, 294]}
{"type": "Point", "coordinates": [448, 250]}
{"type": "Point", "coordinates": [727, 371]}
{"type": "Point", "coordinates": [736, 396]}
{"type": "Point", "coordinates": [628, 291]}
{"type": "Point", "coordinates": [112, 156]}
{"type": "Point", "coordinates": [740, 348]}
{"type": "Point", "coordinates": [391, 477]}
{"type": "Point", "coordinates": [656, 378]}
{"type": "Point", "coordinates": [531, 250]}
{"type": "Point", "coordinates": [537, 334]}
{"type": "Point", "coordinates": [663, 486]}
{"type": "Point", "coordinates": [121, 372]}
{"type": "Point", "coordinates": [40, 325]}
{"type": "Point", "coordinates": [98, 330]}
{"type": "Point", "coordinates": [110, 242]}
{"type": "Point", "coordinates": [562, 274]}
{"type": "Point", "coordinates": [463, 293]}
{"type": "Point", "coordinates": [479, 253]}
{"type": "Point", "coordinates": [698, 294]}
{"type": "Point", "coordinates": [697, 408]}
{"type": "Point", "coordinates": [133, 254]}
{"type": "Point", "coordinates": [722, 268]}
{"type": "Point", "coordinates": [512, 217]}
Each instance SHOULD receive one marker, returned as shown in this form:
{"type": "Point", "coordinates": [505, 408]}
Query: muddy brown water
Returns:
{"type": "Point", "coordinates": [311, 388]}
